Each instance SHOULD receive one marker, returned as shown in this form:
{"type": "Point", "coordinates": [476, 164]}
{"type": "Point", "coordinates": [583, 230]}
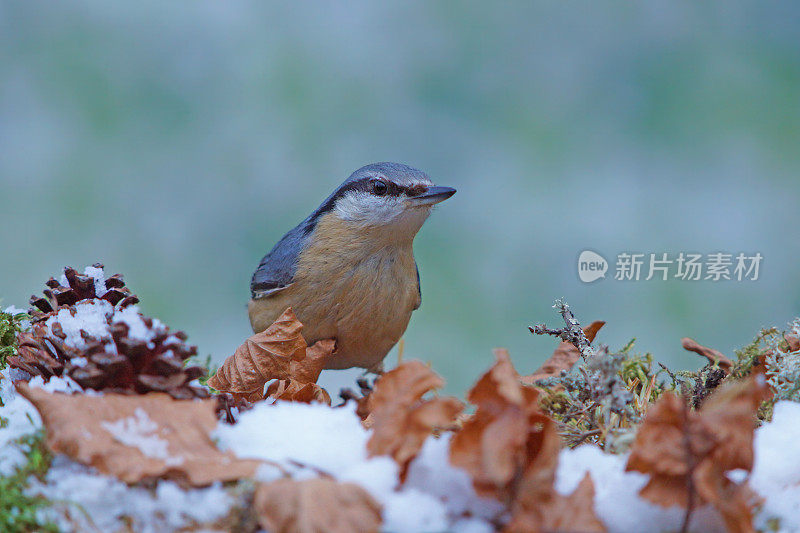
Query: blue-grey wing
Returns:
{"type": "Point", "coordinates": [277, 269]}
{"type": "Point", "coordinates": [419, 287]}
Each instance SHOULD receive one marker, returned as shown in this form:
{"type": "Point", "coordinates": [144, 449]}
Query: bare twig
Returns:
{"type": "Point", "coordinates": [573, 333]}
{"type": "Point", "coordinates": [586, 435]}
{"type": "Point", "coordinates": [672, 376]}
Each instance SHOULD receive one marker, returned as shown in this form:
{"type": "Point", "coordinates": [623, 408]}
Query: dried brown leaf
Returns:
{"type": "Point", "coordinates": [309, 368]}
{"type": "Point", "coordinates": [404, 385]}
{"type": "Point", "coordinates": [564, 357]}
{"type": "Point", "coordinates": [400, 419]}
{"type": "Point", "coordinates": [316, 506]}
{"type": "Point", "coordinates": [295, 391]}
{"type": "Point", "coordinates": [560, 513]}
{"type": "Point", "coordinates": [180, 448]}
{"type": "Point", "coordinates": [508, 438]}
{"type": "Point", "coordinates": [687, 453]}
{"type": "Point", "coordinates": [279, 352]}
{"type": "Point", "coordinates": [713, 356]}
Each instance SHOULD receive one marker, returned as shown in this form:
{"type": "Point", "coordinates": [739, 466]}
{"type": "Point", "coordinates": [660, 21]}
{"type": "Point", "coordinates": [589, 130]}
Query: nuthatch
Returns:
{"type": "Point", "coordinates": [348, 269]}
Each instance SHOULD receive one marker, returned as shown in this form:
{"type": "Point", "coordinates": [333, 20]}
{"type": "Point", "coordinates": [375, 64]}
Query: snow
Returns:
{"type": "Point", "coordinates": [114, 506]}
{"type": "Point", "coordinates": [472, 525]}
{"type": "Point", "coordinates": [90, 316]}
{"type": "Point", "coordinates": [21, 419]}
{"type": "Point", "coordinates": [776, 473]}
{"type": "Point", "coordinates": [172, 339]}
{"type": "Point", "coordinates": [14, 310]}
{"type": "Point", "coordinates": [617, 502]}
{"type": "Point", "coordinates": [99, 277]}
{"type": "Point", "coordinates": [139, 431]}
{"type": "Point", "coordinates": [56, 384]}
{"type": "Point", "coordinates": [378, 475]}
{"type": "Point", "coordinates": [308, 439]}
{"type": "Point", "coordinates": [432, 472]}
{"type": "Point", "coordinates": [137, 329]}
{"type": "Point", "coordinates": [411, 510]}
{"type": "Point", "coordinates": [775, 477]}
{"type": "Point", "coordinates": [84, 500]}
{"type": "Point", "coordinates": [292, 432]}
{"type": "Point", "coordinates": [95, 317]}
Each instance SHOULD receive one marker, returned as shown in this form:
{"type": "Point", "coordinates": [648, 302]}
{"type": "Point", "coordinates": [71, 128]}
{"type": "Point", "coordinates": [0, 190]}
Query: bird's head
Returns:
{"type": "Point", "coordinates": [386, 196]}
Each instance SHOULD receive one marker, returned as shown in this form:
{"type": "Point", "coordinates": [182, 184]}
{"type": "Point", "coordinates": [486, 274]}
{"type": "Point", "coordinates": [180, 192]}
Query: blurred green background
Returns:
{"type": "Point", "coordinates": [177, 141]}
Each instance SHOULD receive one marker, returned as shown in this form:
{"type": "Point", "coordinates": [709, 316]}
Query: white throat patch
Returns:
{"type": "Point", "coordinates": [392, 212]}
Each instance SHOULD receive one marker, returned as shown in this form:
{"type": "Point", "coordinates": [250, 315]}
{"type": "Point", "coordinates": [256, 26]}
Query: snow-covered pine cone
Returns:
{"type": "Point", "coordinates": [87, 327]}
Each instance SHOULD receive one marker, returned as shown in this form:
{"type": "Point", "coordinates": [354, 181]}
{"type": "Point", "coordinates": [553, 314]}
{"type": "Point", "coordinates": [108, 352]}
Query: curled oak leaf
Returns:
{"type": "Point", "coordinates": [688, 453]}
{"type": "Point", "coordinates": [403, 386]}
{"type": "Point", "coordinates": [661, 450]}
{"type": "Point", "coordinates": [713, 356]}
{"type": "Point", "coordinates": [534, 495]}
{"type": "Point", "coordinates": [295, 391]}
{"type": "Point", "coordinates": [279, 352]}
{"type": "Point", "coordinates": [736, 504]}
{"type": "Point", "coordinates": [139, 437]}
{"type": "Point", "coordinates": [508, 437]}
{"type": "Point", "coordinates": [263, 357]}
{"type": "Point", "coordinates": [564, 357]}
{"type": "Point", "coordinates": [316, 506]}
{"type": "Point", "coordinates": [308, 369]}
{"type": "Point", "coordinates": [560, 513]}
{"type": "Point", "coordinates": [400, 419]}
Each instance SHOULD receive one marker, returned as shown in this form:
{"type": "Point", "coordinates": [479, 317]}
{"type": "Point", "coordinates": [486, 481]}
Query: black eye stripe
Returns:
{"type": "Point", "coordinates": [368, 184]}
{"type": "Point", "coordinates": [364, 185]}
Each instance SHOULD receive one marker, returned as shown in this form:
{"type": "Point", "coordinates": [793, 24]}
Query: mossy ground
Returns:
{"type": "Point", "coordinates": [19, 512]}
{"type": "Point", "coordinates": [583, 415]}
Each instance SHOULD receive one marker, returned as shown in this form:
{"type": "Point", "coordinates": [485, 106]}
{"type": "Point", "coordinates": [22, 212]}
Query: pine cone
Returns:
{"type": "Point", "coordinates": [91, 331]}
{"type": "Point", "coordinates": [91, 285]}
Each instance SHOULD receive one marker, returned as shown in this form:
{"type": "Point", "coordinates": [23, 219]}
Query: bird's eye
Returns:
{"type": "Point", "coordinates": [379, 187]}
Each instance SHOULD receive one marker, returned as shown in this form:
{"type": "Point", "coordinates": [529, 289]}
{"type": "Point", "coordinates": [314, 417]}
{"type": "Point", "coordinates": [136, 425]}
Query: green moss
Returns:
{"type": "Point", "coordinates": [637, 367]}
{"type": "Point", "coordinates": [9, 327]}
{"type": "Point", "coordinates": [748, 357]}
{"type": "Point", "coordinates": [556, 403]}
{"type": "Point", "coordinates": [603, 399]}
{"type": "Point", "coordinates": [18, 512]}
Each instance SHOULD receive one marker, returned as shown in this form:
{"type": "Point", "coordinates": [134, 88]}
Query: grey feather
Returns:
{"type": "Point", "coordinates": [277, 268]}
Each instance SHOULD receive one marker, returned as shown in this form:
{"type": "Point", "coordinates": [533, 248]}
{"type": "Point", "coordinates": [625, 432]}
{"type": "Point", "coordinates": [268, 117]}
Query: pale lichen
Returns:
{"type": "Point", "coordinates": [783, 365]}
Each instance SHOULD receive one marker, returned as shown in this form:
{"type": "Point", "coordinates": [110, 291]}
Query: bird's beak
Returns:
{"type": "Point", "coordinates": [433, 195]}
